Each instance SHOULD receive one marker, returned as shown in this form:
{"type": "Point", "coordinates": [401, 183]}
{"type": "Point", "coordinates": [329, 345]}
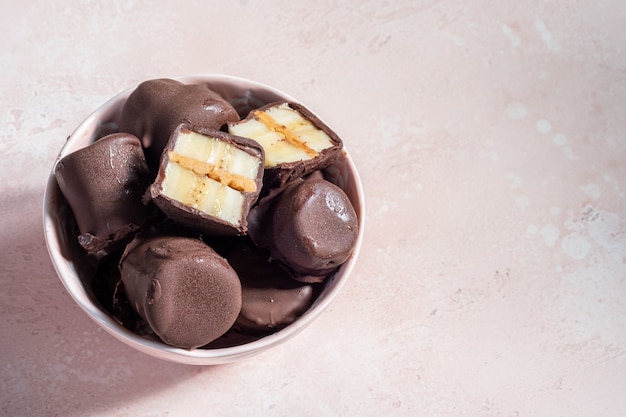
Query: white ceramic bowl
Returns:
{"type": "Point", "coordinates": [73, 270]}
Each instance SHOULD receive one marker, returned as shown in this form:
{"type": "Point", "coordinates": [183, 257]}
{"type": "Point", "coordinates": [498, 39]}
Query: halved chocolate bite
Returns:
{"type": "Point", "coordinates": [209, 180]}
{"type": "Point", "coordinates": [188, 294]}
{"type": "Point", "coordinates": [156, 107]}
{"type": "Point", "coordinates": [309, 226]}
{"type": "Point", "coordinates": [104, 184]}
{"type": "Point", "coordinates": [271, 300]}
{"type": "Point", "coordinates": [296, 142]}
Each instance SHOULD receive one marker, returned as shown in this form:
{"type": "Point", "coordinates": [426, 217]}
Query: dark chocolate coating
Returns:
{"type": "Point", "coordinates": [156, 107]}
{"type": "Point", "coordinates": [271, 300]}
{"type": "Point", "coordinates": [188, 294]}
{"type": "Point", "coordinates": [310, 227]}
{"type": "Point", "coordinates": [193, 217]}
{"type": "Point", "coordinates": [280, 175]}
{"type": "Point", "coordinates": [104, 184]}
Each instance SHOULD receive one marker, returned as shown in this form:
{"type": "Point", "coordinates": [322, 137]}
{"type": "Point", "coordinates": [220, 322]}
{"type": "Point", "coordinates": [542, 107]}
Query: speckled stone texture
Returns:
{"type": "Point", "coordinates": [490, 138]}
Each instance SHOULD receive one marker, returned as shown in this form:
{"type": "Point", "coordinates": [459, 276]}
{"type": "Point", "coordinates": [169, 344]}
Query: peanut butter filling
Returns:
{"type": "Point", "coordinates": [234, 181]}
{"type": "Point", "coordinates": [273, 125]}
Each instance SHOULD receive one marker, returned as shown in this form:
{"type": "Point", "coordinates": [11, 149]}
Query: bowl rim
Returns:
{"type": "Point", "coordinates": [68, 275]}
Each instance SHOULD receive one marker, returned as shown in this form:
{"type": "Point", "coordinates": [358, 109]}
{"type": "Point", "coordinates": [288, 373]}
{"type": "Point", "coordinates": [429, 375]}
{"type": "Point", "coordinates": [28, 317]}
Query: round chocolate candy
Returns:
{"type": "Point", "coordinates": [188, 294]}
{"type": "Point", "coordinates": [309, 226]}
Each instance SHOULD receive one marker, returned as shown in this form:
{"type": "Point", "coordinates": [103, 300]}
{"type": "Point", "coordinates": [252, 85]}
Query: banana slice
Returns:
{"type": "Point", "coordinates": [209, 179]}
{"type": "Point", "coordinates": [295, 141]}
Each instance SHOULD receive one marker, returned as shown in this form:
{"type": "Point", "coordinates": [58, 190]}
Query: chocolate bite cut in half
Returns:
{"type": "Point", "coordinates": [296, 142]}
{"type": "Point", "coordinates": [209, 179]}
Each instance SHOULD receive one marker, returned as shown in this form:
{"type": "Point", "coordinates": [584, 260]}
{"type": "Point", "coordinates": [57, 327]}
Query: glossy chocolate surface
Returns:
{"type": "Point", "coordinates": [156, 107]}
{"type": "Point", "coordinates": [188, 294]}
{"type": "Point", "coordinates": [104, 184]}
{"type": "Point", "coordinates": [271, 299]}
{"type": "Point", "coordinates": [310, 227]}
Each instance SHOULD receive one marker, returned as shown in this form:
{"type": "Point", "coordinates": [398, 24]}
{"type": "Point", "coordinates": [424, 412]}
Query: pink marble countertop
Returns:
{"type": "Point", "coordinates": [491, 141]}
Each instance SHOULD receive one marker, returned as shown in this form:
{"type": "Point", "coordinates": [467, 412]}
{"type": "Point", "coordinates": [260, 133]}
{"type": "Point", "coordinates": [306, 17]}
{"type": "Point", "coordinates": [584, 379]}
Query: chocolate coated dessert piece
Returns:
{"type": "Point", "coordinates": [209, 179]}
{"type": "Point", "coordinates": [188, 294]}
{"type": "Point", "coordinates": [310, 227]}
{"type": "Point", "coordinates": [104, 184]}
{"type": "Point", "coordinates": [156, 107]}
{"type": "Point", "coordinates": [296, 142]}
{"type": "Point", "coordinates": [271, 300]}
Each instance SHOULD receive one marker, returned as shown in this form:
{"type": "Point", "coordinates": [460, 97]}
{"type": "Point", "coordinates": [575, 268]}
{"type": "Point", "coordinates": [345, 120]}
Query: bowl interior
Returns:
{"type": "Point", "coordinates": [75, 268]}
